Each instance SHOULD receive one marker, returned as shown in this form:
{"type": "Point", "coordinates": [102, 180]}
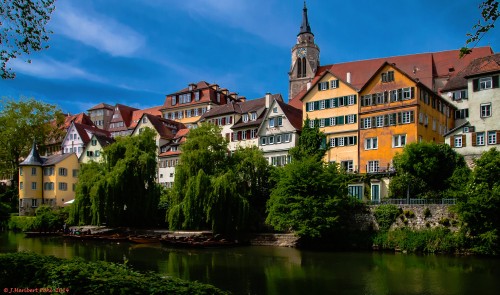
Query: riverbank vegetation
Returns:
{"type": "Point", "coordinates": [76, 276]}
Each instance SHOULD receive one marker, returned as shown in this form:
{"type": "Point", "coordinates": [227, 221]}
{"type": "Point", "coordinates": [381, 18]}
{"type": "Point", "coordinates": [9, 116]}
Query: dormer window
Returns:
{"type": "Point", "coordinates": [174, 100]}
{"type": "Point", "coordinates": [253, 116]}
{"type": "Point", "coordinates": [197, 96]}
{"type": "Point", "coordinates": [245, 117]}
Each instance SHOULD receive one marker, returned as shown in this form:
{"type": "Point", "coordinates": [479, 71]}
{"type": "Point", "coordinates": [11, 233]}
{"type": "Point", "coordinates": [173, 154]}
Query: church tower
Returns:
{"type": "Point", "coordinates": [305, 58]}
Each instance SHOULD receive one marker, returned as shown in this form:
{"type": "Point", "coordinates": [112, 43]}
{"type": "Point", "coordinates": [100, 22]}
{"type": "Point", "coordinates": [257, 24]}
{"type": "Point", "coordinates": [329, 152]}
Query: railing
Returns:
{"type": "Point", "coordinates": [415, 202]}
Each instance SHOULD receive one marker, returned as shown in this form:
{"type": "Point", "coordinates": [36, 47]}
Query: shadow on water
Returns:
{"type": "Point", "coordinates": [273, 270]}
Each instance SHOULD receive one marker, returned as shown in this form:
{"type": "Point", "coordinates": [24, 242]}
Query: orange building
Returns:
{"type": "Point", "coordinates": [396, 109]}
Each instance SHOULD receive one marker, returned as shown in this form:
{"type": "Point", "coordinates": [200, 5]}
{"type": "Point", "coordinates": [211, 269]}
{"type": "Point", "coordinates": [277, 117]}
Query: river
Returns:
{"type": "Point", "coordinates": [274, 270]}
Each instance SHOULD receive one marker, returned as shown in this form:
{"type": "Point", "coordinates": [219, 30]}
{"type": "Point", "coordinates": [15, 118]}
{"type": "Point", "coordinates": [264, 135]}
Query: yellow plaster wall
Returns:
{"type": "Point", "coordinates": [27, 179]}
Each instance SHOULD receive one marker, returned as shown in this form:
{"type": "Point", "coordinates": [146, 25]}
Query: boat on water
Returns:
{"type": "Point", "coordinates": [193, 243]}
{"type": "Point", "coordinates": [143, 239]}
{"type": "Point", "coordinates": [30, 234]}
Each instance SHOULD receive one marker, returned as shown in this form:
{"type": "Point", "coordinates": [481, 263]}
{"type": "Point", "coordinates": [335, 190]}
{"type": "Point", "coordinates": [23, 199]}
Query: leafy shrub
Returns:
{"type": "Point", "coordinates": [444, 221]}
{"type": "Point", "coordinates": [437, 240]}
{"type": "Point", "coordinates": [409, 213]}
{"type": "Point", "coordinates": [386, 214]}
{"type": "Point", "coordinates": [79, 277]}
{"type": "Point", "coordinates": [21, 223]}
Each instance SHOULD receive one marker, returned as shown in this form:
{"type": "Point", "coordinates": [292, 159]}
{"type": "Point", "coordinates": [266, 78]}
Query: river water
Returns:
{"type": "Point", "coordinates": [274, 270]}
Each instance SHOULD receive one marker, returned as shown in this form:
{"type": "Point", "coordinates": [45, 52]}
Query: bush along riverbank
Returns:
{"type": "Point", "coordinates": [32, 271]}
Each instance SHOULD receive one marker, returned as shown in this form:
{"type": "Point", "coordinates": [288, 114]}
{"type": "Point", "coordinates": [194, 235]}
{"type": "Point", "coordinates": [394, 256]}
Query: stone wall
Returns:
{"type": "Point", "coordinates": [412, 217]}
{"type": "Point", "coordinates": [267, 239]}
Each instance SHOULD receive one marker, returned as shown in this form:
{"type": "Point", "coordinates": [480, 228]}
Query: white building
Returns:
{"type": "Point", "coordinates": [78, 136]}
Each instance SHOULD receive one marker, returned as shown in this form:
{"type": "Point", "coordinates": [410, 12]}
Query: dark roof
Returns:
{"type": "Point", "coordinates": [305, 27]}
{"type": "Point", "coordinates": [293, 115]}
{"type": "Point", "coordinates": [456, 128]}
{"type": "Point", "coordinates": [52, 160]}
{"type": "Point", "coordinates": [479, 66]}
{"type": "Point", "coordinates": [162, 126]}
{"type": "Point", "coordinates": [33, 159]}
{"type": "Point", "coordinates": [199, 85]}
{"type": "Point", "coordinates": [82, 131]}
{"type": "Point", "coordinates": [103, 139]}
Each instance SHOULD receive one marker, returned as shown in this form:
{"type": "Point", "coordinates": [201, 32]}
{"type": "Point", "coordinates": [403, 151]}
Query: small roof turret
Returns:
{"type": "Point", "coordinates": [33, 159]}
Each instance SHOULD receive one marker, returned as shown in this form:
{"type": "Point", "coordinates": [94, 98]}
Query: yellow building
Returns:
{"type": "Point", "coordinates": [332, 104]}
{"type": "Point", "coordinates": [46, 181]}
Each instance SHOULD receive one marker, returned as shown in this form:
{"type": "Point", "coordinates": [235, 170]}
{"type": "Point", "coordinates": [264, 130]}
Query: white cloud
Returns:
{"type": "Point", "coordinates": [52, 69]}
{"type": "Point", "coordinates": [96, 30]}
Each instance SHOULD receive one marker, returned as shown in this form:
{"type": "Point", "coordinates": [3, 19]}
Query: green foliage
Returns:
{"type": "Point", "coordinates": [479, 206]}
{"type": "Point", "coordinates": [489, 14]}
{"type": "Point", "coordinates": [23, 29]}
{"type": "Point", "coordinates": [122, 190]}
{"type": "Point", "coordinates": [21, 223]}
{"type": "Point", "coordinates": [215, 191]}
{"type": "Point", "coordinates": [426, 168]}
{"type": "Point", "coordinates": [437, 240]}
{"type": "Point", "coordinates": [408, 213]}
{"type": "Point", "coordinates": [312, 143]}
{"type": "Point", "coordinates": [310, 198]}
{"type": "Point", "coordinates": [77, 276]}
{"type": "Point", "coordinates": [427, 213]}
{"type": "Point", "coordinates": [386, 215]}
{"type": "Point", "coordinates": [47, 220]}
{"type": "Point", "coordinates": [23, 121]}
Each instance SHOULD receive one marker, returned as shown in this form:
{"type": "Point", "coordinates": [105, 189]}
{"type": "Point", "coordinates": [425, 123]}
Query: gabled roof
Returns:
{"type": "Point", "coordinates": [199, 85]}
{"type": "Point", "coordinates": [456, 128]}
{"type": "Point", "coordinates": [136, 115]}
{"type": "Point", "coordinates": [479, 66]}
{"type": "Point", "coordinates": [103, 139]}
{"type": "Point", "coordinates": [80, 118]}
{"type": "Point", "coordinates": [83, 129]}
{"type": "Point", "coordinates": [293, 115]}
{"type": "Point", "coordinates": [424, 66]}
{"type": "Point", "coordinates": [101, 106]}
{"type": "Point", "coordinates": [164, 126]}
{"type": "Point", "coordinates": [170, 154]}
{"type": "Point", "coordinates": [52, 160]}
{"type": "Point", "coordinates": [125, 114]}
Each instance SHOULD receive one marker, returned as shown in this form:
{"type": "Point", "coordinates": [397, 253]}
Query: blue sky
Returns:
{"type": "Point", "coordinates": [135, 52]}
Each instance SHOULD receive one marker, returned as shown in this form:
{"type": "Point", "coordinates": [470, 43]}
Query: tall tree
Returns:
{"type": "Point", "coordinates": [122, 191]}
{"type": "Point", "coordinates": [312, 142]}
{"type": "Point", "coordinates": [489, 15]}
{"type": "Point", "coordinates": [426, 168]}
{"type": "Point", "coordinates": [21, 122]}
{"type": "Point", "coordinates": [23, 29]}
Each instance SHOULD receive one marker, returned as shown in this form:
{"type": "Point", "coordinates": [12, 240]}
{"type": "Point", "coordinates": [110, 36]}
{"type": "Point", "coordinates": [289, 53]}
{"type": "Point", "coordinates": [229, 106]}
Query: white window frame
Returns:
{"type": "Point", "coordinates": [399, 140]}
{"type": "Point", "coordinates": [373, 166]}
{"type": "Point", "coordinates": [485, 83]}
{"type": "Point", "coordinates": [480, 138]}
{"type": "Point", "coordinates": [492, 137]}
{"type": "Point", "coordinates": [270, 140]}
{"type": "Point", "coordinates": [288, 137]}
{"type": "Point", "coordinates": [351, 99]}
{"type": "Point", "coordinates": [245, 118]}
{"type": "Point", "coordinates": [271, 122]}
{"type": "Point", "coordinates": [263, 140]}
{"type": "Point", "coordinates": [350, 119]}
{"type": "Point", "coordinates": [323, 86]}
{"type": "Point", "coordinates": [457, 141]}
{"type": "Point", "coordinates": [341, 141]}
{"type": "Point", "coordinates": [379, 121]}
{"type": "Point", "coordinates": [321, 122]}
{"type": "Point", "coordinates": [371, 143]}
{"type": "Point", "coordinates": [367, 123]}
{"type": "Point", "coordinates": [485, 110]}
{"type": "Point", "coordinates": [322, 104]}
{"type": "Point", "coordinates": [406, 117]}
{"type": "Point", "coordinates": [334, 84]}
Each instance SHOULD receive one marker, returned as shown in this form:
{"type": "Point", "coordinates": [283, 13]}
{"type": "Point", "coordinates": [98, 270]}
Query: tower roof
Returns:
{"type": "Point", "coordinates": [33, 159]}
{"type": "Point", "coordinates": [305, 27]}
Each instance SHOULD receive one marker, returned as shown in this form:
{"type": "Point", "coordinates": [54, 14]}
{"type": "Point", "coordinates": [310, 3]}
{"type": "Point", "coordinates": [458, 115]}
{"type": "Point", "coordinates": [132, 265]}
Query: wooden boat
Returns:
{"type": "Point", "coordinates": [143, 240]}
{"type": "Point", "coordinates": [30, 234]}
{"type": "Point", "coordinates": [187, 243]}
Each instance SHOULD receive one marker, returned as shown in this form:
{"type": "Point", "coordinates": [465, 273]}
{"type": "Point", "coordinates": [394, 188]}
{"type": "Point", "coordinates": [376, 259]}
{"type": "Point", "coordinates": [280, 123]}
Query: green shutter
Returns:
{"type": "Point", "coordinates": [355, 118]}
{"type": "Point", "coordinates": [475, 85]}
{"type": "Point", "coordinates": [355, 98]}
{"type": "Point", "coordinates": [316, 105]}
{"type": "Point", "coordinates": [327, 104]}
{"type": "Point", "coordinates": [412, 117]}
{"type": "Point", "coordinates": [319, 86]}
{"type": "Point", "coordinates": [496, 80]}
{"type": "Point", "coordinates": [400, 118]}
{"type": "Point", "coordinates": [412, 92]}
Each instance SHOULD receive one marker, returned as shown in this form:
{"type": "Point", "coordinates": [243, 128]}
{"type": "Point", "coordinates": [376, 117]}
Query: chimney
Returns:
{"type": "Point", "coordinates": [268, 100]}
{"type": "Point", "coordinates": [308, 85]}
{"type": "Point", "coordinates": [348, 78]}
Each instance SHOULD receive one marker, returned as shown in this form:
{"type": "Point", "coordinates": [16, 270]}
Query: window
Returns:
{"type": "Point", "coordinates": [485, 110]}
{"type": "Point", "coordinates": [245, 117]}
{"type": "Point", "coordinates": [33, 171]}
{"type": "Point", "coordinates": [271, 122]}
{"type": "Point", "coordinates": [351, 119]}
{"type": "Point", "coordinates": [387, 77]}
{"type": "Point", "coordinates": [480, 138]}
{"type": "Point", "coordinates": [311, 123]}
{"type": "Point", "coordinates": [253, 116]}
{"type": "Point", "coordinates": [367, 123]}
{"type": "Point", "coordinates": [21, 171]}
{"type": "Point", "coordinates": [271, 139]}
{"type": "Point", "coordinates": [74, 185]}
{"type": "Point", "coordinates": [399, 140]}
{"type": "Point", "coordinates": [351, 100]}
{"type": "Point", "coordinates": [188, 113]}
{"type": "Point", "coordinates": [458, 141]}
{"type": "Point", "coordinates": [334, 84]}
{"type": "Point", "coordinates": [275, 110]}
{"type": "Point", "coordinates": [63, 186]}
{"type": "Point", "coordinates": [33, 185]}
{"type": "Point", "coordinates": [47, 171]}
{"type": "Point", "coordinates": [380, 121]}
{"type": "Point", "coordinates": [323, 86]}
{"type": "Point", "coordinates": [492, 137]}
{"type": "Point", "coordinates": [340, 141]}
{"type": "Point", "coordinates": [253, 133]}
{"type": "Point", "coordinates": [332, 142]}
{"type": "Point", "coordinates": [460, 94]}
{"type": "Point", "coordinates": [278, 138]}
{"type": "Point", "coordinates": [63, 172]}
{"type": "Point", "coordinates": [263, 140]}
{"type": "Point", "coordinates": [280, 121]}
{"type": "Point", "coordinates": [21, 185]}
{"type": "Point", "coordinates": [197, 96]}
{"type": "Point", "coordinates": [321, 104]}
{"type": "Point", "coordinates": [48, 186]}
{"type": "Point", "coordinates": [287, 137]}
{"type": "Point", "coordinates": [407, 93]}
{"type": "Point", "coordinates": [371, 143]}
{"type": "Point", "coordinates": [97, 153]}
{"type": "Point", "coordinates": [348, 165]}
{"type": "Point", "coordinates": [355, 190]}
{"type": "Point", "coordinates": [485, 83]}
{"type": "Point", "coordinates": [321, 122]}
{"type": "Point", "coordinates": [34, 203]}
{"type": "Point", "coordinates": [366, 100]}
{"type": "Point", "coordinates": [372, 166]}
{"type": "Point", "coordinates": [462, 114]}
{"type": "Point", "coordinates": [75, 172]}
{"type": "Point", "coordinates": [407, 117]}
{"type": "Point", "coordinates": [375, 192]}
{"type": "Point", "coordinates": [174, 100]}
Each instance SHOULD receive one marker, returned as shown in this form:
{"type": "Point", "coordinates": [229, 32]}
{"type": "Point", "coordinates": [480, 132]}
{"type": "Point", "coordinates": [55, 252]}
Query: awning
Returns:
{"type": "Point", "coordinates": [69, 202]}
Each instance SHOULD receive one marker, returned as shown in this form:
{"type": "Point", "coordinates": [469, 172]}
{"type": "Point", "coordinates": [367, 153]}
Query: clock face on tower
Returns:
{"type": "Point", "coordinates": [301, 52]}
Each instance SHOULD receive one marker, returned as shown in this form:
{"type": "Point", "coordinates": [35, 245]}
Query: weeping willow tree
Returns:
{"type": "Point", "coordinates": [122, 190]}
{"type": "Point", "coordinates": [211, 189]}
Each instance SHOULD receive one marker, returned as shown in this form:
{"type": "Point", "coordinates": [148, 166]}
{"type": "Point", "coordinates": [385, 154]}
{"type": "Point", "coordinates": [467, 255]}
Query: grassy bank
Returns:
{"type": "Point", "coordinates": [75, 276]}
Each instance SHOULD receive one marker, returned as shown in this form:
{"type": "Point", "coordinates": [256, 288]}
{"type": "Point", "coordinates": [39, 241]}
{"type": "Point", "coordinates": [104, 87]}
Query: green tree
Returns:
{"type": "Point", "coordinates": [479, 205]}
{"type": "Point", "coordinates": [426, 169]}
{"type": "Point", "coordinates": [312, 143]}
{"type": "Point", "coordinates": [23, 29]}
{"type": "Point", "coordinates": [489, 15]}
{"type": "Point", "coordinates": [122, 191]}
{"type": "Point", "coordinates": [21, 122]}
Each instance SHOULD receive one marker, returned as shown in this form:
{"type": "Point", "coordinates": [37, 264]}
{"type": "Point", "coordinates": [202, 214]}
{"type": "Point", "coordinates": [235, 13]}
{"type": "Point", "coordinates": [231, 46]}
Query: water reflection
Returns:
{"type": "Point", "coordinates": [271, 270]}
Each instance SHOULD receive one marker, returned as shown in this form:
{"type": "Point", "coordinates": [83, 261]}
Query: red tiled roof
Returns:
{"type": "Point", "coordinates": [80, 118]}
{"type": "Point", "coordinates": [170, 154]}
{"type": "Point", "coordinates": [136, 115]}
{"type": "Point", "coordinates": [424, 67]}
{"type": "Point", "coordinates": [482, 65]}
{"type": "Point", "coordinates": [101, 106]}
{"type": "Point", "coordinates": [82, 131]}
{"type": "Point", "coordinates": [125, 114]}
{"type": "Point", "coordinates": [160, 125]}
{"type": "Point", "coordinates": [199, 85]}
{"type": "Point", "coordinates": [293, 114]}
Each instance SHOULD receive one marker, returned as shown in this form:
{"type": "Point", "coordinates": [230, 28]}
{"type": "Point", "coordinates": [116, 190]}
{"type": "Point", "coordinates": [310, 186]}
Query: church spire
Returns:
{"type": "Point", "coordinates": [305, 27]}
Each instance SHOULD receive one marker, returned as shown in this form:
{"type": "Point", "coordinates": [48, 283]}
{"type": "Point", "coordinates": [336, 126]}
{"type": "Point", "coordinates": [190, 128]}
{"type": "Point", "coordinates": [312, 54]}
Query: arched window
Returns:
{"type": "Point", "coordinates": [303, 67]}
{"type": "Point", "coordinates": [299, 68]}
